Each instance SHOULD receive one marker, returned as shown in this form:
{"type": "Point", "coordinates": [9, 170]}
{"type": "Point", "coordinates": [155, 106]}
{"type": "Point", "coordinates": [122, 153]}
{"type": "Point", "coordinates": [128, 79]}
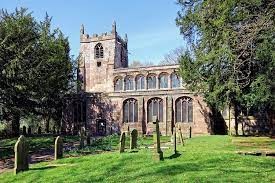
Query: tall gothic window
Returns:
{"type": "Point", "coordinates": [151, 82]}
{"type": "Point", "coordinates": [140, 82]}
{"type": "Point", "coordinates": [130, 110]}
{"type": "Point", "coordinates": [118, 85]}
{"type": "Point", "coordinates": [184, 109]}
{"type": "Point", "coordinates": [99, 51]}
{"type": "Point", "coordinates": [175, 80]}
{"type": "Point", "coordinates": [163, 81]}
{"type": "Point", "coordinates": [155, 108]}
{"type": "Point", "coordinates": [129, 83]}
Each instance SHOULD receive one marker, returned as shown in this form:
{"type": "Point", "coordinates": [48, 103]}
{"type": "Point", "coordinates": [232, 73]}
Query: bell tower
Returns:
{"type": "Point", "coordinates": [99, 56]}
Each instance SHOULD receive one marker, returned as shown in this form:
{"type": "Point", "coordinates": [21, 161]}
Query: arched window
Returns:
{"type": "Point", "coordinates": [99, 51]}
{"type": "Point", "coordinates": [130, 110]}
{"type": "Point", "coordinates": [175, 80]}
{"type": "Point", "coordinates": [184, 109]}
{"type": "Point", "coordinates": [140, 82]}
{"type": "Point", "coordinates": [118, 84]}
{"type": "Point", "coordinates": [129, 83]}
{"type": "Point", "coordinates": [163, 80]}
{"type": "Point", "coordinates": [151, 82]}
{"type": "Point", "coordinates": [155, 108]}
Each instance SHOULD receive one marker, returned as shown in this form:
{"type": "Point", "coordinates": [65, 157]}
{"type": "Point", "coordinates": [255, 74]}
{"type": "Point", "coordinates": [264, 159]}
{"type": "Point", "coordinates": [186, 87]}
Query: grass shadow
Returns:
{"type": "Point", "coordinates": [43, 168]}
{"type": "Point", "coordinates": [173, 156]}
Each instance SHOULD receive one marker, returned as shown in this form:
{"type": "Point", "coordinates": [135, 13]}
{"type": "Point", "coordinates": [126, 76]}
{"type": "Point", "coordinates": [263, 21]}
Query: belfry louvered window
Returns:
{"type": "Point", "coordinates": [99, 53]}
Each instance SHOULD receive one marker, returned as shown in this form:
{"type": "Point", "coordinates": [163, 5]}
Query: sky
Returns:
{"type": "Point", "coordinates": [149, 24]}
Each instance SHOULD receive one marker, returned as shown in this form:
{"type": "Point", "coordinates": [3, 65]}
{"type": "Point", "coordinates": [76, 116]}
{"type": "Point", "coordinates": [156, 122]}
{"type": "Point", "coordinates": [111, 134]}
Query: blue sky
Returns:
{"type": "Point", "coordinates": [150, 24]}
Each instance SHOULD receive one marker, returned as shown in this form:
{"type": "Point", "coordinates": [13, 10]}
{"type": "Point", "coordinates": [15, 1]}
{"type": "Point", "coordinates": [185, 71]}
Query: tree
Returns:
{"type": "Point", "coordinates": [231, 58]}
{"type": "Point", "coordinates": [173, 57]}
{"type": "Point", "coordinates": [35, 67]}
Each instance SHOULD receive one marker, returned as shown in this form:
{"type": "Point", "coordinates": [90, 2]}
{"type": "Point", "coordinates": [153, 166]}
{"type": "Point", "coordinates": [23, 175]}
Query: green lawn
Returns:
{"type": "Point", "coordinates": [202, 159]}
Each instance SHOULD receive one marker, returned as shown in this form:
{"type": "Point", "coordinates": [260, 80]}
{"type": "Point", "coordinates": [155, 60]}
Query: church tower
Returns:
{"type": "Point", "coordinates": [99, 56]}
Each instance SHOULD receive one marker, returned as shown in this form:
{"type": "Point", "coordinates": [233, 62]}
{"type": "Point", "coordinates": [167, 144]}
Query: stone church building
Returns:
{"type": "Point", "coordinates": [114, 97]}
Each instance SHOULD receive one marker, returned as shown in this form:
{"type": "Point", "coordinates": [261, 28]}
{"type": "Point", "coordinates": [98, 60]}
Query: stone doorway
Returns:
{"type": "Point", "coordinates": [101, 127]}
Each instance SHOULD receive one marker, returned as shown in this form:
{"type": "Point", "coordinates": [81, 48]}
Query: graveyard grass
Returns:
{"type": "Point", "coordinates": [202, 159]}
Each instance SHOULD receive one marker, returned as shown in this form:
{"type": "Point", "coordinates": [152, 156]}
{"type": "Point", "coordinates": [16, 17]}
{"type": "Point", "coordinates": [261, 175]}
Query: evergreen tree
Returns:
{"type": "Point", "coordinates": [35, 67]}
{"type": "Point", "coordinates": [231, 56]}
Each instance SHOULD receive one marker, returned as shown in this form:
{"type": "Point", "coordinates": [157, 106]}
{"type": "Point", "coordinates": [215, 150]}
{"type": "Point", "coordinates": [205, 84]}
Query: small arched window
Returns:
{"type": "Point", "coordinates": [130, 110]}
{"type": "Point", "coordinates": [99, 53]}
{"type": "Point", "coordinates": [151, 82]}
{"type": "Point", "coordinates": [184, 109]}
{"type": "Point", "coordinates": [163, 81]}
{"type": "Point", "coordinates": [129, 83]}
{"type": "Point", "coordinates": [118, 84]}
{"type": "Point", "coordinates": [155, 108]}
{"type": "Point", "coordinates": [140, 82]}
{"type": "Point", "coordinates": [175, 80]}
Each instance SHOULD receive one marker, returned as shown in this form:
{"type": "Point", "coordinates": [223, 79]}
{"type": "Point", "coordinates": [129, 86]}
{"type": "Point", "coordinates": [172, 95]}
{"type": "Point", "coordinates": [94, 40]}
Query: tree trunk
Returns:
{"type": "Point", "coordinates": [15, 124]}
{"type": "Point", "coordinates": [236, 119]}
{"type": "Point", "coordinates": [47, 124]}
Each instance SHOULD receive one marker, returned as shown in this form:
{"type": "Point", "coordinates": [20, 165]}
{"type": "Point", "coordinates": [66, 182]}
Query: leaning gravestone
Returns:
{"type": "Point", "coordinates": [122, 142]}
{"type": "Point", "coordinates": [24, 130]}
{"type": "Point", "coordinates": [133, 139]}
{"type": "Point", "coordinates": [58, 148]}
{"type": "Point", "coordinates": [29, 130]}
{"type": "Point", "coordinates": [82, 137]}
{"type": "Point", "coordinates": [156, 135]}
{"type": "Point", "coordinates": [21, 160]}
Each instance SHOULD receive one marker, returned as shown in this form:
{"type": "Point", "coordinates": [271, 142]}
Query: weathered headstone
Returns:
{"type": "Point", "coordinates": [81, 137]}
{"type": "Point", "coordinates": [39, 130]}
{"type": "Point", "coordinates": [133, 139]}
{"type": "Point", "coordinates": [128, 131]}
{"type": "Point", "coordinates": [21, 160]}
{"type": "Point", "coordinates": [58, 148]}
{"type": "Point", "coordinates": [156, 135]}
{"type": "Point", "coordinates": [175, 140]}
{"type": "Point", "coordinates": [29, 130]}
{"type": "Point", "coordinates": [24, 130]}
{"type": "Point", "coordinates": [122, 142]}
{"type": "Point", "coordinates": [180, 136]}
{"type": "Point", "coordinates": [88, 138]}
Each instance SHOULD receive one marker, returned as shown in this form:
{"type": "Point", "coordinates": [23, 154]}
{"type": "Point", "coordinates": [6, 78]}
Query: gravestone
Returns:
{"type": "Point", "coordinates": [24, 130]}
{"type": "Point", "coordinates": [21, 160]}
{"type": "Point", "coordinates": [175, 140]}
{"type": "Point", "coordinates": [39, 130]}
{"type": "Point", "coordinates": [122, 142]}
{"type": "Point", "coordinates": [180, 136]}
{"type": "Point", "coordinates": [81, 137]}
{"type": "Point", "coordinates": [158, 154]}
{"type": "Point", "coordinates": [29, 130]}
{"type": "Point", "coordinates": [58, 148]}
{"type": "Point", "coordinates": [88, 138]}
{"type": "Point", "coordinates": [133, 139]}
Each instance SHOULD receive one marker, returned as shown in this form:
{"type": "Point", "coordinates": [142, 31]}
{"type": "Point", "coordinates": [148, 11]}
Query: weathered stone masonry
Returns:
{"type": "Point", "coordinates": [118, 98]}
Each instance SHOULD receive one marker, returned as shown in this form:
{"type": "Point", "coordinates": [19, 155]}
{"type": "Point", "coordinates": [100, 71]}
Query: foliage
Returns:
{"type": "Point", "coordinates": [202, 159]}
{"type": "Point", "coordinates": [35, 67]}
{"type": "Point", "coordinates": [231, 57]}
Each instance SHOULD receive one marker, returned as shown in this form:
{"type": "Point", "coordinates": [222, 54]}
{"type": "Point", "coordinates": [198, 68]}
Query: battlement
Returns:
{"type": "Point", "coordinates": [86, 38]}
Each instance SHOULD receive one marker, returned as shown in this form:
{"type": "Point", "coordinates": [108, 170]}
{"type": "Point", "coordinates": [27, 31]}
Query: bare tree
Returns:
{"type": "Point", "coordinates": [173, 57]}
